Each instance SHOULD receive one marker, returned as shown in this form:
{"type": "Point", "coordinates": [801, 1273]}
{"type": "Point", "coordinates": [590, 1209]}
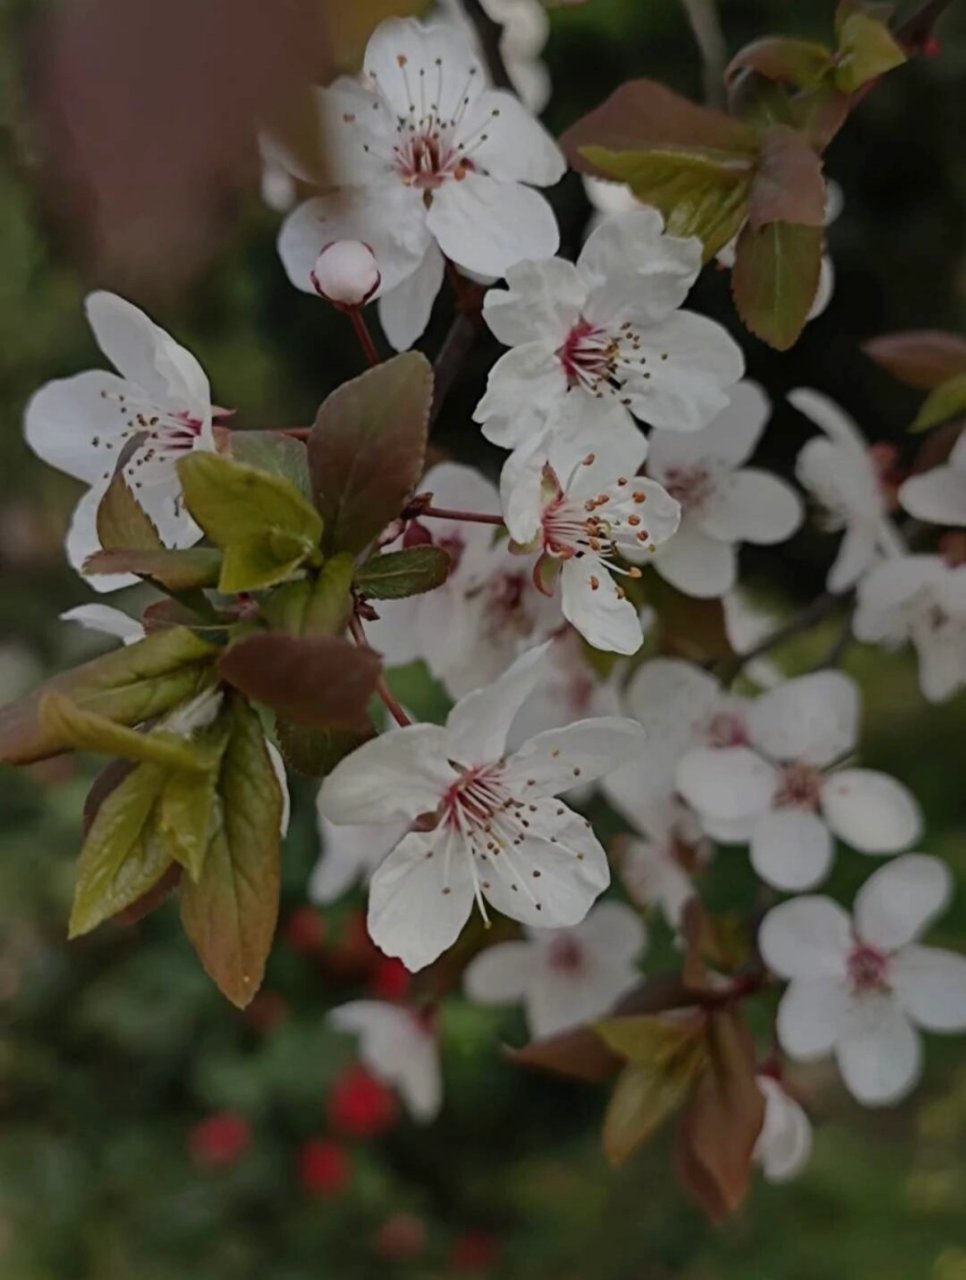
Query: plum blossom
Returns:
{"type": "Point", "coordinates": [400, 1048]}
{"type": "Point", "coordinates": [860, 986]}
{"type": "Point", "coordinates": [349, 855]}
{"type": "Point", "coordinates": [656, 866]}
{"type": "Point", "coordinates": [564, 977]}
{"type": "Point", "coordinates": [489, 828]}
{"type": "Point", "coordinates": [747, 624]}
{"type": "Point", "coordinates": [570, 689]}
{"type": "Point", "coordinates": [487, 612]}
{"type": "Point", "coordinates": [428, 163]}
{"type": "Point", "coordinates": [158, 406]}
{"type": "Point", "coordinates": [526, 28]}
{"type": "Point", "coordinates": [785, 1143]}
{"type": "Point", "coordinates": [596, 344]}
{"type": "Point", "coordinates": [723, 502]}
{"type": "Point", "coordinates": [580, 526]}
{"type": "Point", "coordinates": [918, 599]}
{"type": "Point", "coordinates": [346, 273]}
{"type": "Point", "coordinates": [939, 495]}
{"type": "Point", "coordinates": [844, 477]}
{"type": "Point", "coordinates": [785, 791]}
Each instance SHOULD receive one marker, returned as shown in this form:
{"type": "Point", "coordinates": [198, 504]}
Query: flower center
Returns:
{"type": "Point", "coordinates": [692, 486]}
{"type": "Point", "coordinates": [570, 527]}
{"type": "Point", "coordinates": [565, 955]}
{"type": "Point", "coordinates": [726, 729]}
{"type": "Point", "coordinates": [600, 360]}
{"type": "Point", "coordinates": [867, 969]}
{"type": "Point", "coordinates": [799, 786]}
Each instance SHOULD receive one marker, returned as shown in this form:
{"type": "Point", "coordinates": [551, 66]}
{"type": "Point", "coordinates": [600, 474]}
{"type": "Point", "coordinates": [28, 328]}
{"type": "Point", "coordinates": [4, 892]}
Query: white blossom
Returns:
{"type": "Point", "coordinates": [158, 405]}
{"type": "Point", "coordinates": [346, 273]}
{"type": "Point", "coordinates": [939, 495]}
{"type": "Point", "coordinates": [103, 620]}
{"type": "Point", "coordinates": [489, 827]}
{"type": "Point", "coordinates": [918, 599]}
{"type": "Point", "coordinates": [427, 162]}
{"type": "Point", "coordinates": [656, 866]}
{"type": "Point", "coordinates": [597, 343]}
{"type": "Point", "coordinates": [526, 27]}
{"type": "Point", "coordinates": [860, 986]}
{"type": "Point", "coordinates": [564, 977]}
{"type": "Point", "coordinates": [840, 471]}
{"type": "Point", "coordinates": [349, 855]}
{"type": "Point", "coordinates": [785, 1143]}
{"type": "Point", "coordinates": [400, 1048]}
{"type": "Point", "coordinates": [788, 794]}
{"type": "Point", "coordinates": [581, 525]}
{"type": "Point", "coordinates": [723, 501]}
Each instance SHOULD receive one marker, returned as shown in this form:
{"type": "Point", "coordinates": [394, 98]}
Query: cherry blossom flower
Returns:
{"type": "Point", "coordinates": [489, 828]}
{"type": "Point", "coordinates": [488, 611]}
{"type": "Point", "coordinates": [746, 626]}
{"type": "Point", "coordinates": [784, 1145]}
{"type": "Point", "coordinates": [920, 599]}
{"type": "Point", "coordinates": [860, 986]}
{"type": "Point", "coordinates": [104, 620]}
{"type": "Point", "coordinates": [939, 495]}
{"type": "Point", "coordinates": [428, 163]}
{"type": "Point", "coordinates": [399, 1047]}
{"type": "Point", "coordinates": [580, 526]}
{"type": "Point", "coordinates": [349, 855]}
{"type": "Point", "coordinates": [785, 793]}
{"type": "Point", "coordinates": [656, 866]}
{"type": "Point", "coordinates": [569, 690]}
{"type": "Point", "coordinates": [346, 273]}
{"type": "Point", "coordinates": [563, 976]}
{"type": "Point", "coordinates": [723, 502]}
{"type": "Point", "coordinates": [842, 474]}
{"type": "Point", "coordinates": [526, 28]}
{"type": "Point", "coordinates": [595, 343]}
{"type": "Point", "coordinates": [158, 405]}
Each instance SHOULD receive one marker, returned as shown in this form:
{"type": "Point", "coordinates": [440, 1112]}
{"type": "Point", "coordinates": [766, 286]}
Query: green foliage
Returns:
{"type": "Point", "coordinates": [403, 573]}
{"type": "Point", "coordinates": [943, 404]}
{"type": "Point", "coordinates": [122, 521]}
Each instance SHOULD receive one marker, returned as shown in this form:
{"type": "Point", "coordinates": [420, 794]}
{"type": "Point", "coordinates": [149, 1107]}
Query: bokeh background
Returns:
{"type": "Point", "coordinates": [149, 1130]}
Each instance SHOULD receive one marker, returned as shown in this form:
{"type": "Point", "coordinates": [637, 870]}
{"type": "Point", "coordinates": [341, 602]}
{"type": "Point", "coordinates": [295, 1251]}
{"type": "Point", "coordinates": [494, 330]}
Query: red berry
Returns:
{"type": "Point", "coordinates": [474, 1251]}
{"type": "Point", "coordinates": [360, 1106]}
{"type": "Point", "coordinates": [401, 1236]}
{"type": "Point", "coordinates": [305, 931]}
{"type": "Point", "coordinates": [390, 981]}
{"type": "Point", "coordinates": [324, 1167]}
{"type": "Point", "coordinates": [220, 1140]}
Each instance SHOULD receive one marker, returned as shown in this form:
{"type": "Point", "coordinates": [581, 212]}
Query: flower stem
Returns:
{"type": "Point", "coordinates": [471, 517]}
{"type": "Point", "coordinates": [364, 336]}
{"type": "Point", "coordinates": [389, 700]}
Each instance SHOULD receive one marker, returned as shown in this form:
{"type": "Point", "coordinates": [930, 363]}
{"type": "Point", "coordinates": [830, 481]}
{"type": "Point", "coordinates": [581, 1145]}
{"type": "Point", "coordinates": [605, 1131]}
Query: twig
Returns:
{"type": "Point", "coordinates": [818, 609]}
{"type": "Point", "coordinates": [706, 25]}
{"type": "Point", "coordinates": [471, 517]}
{"type": "Point", "coordinates": [364, 336]}
{"type": "Point", "coordinates": [391, 703]}
{"type": "Point", "coordinates": [447, 365]}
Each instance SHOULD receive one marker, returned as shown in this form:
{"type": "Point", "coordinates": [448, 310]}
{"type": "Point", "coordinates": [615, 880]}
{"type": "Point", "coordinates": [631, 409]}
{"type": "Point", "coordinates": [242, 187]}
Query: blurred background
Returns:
{"type": "Point", "coordinates": [149, 1130]}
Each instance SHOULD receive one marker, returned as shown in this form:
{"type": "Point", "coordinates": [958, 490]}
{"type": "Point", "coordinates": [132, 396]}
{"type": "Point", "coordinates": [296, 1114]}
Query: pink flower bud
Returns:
{"type": "Point", "coordinates": [346, 273]}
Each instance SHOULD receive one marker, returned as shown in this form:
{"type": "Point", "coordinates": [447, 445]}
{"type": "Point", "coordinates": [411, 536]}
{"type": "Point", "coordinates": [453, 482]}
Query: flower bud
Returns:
{"type": "Point", "coordinates": [346, 273]}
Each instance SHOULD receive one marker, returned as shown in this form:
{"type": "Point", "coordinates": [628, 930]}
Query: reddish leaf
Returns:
{"type": "Point", "coordinates": [121, 522]}
{"type": "Point", "coordinates": [321, 681]}
{"type": "Point", "coordinates": [775, 278]}
{"type": "Point", "coordinates": [922, 358]}
{"type": "Point", "coordinates": [788, 184]}
{"type": "Point", "coordinates": [367, 449]}
{"type": "Point", "coordinates": [797, 62]}
{"type": "Point", "coordinates": [176, 570]}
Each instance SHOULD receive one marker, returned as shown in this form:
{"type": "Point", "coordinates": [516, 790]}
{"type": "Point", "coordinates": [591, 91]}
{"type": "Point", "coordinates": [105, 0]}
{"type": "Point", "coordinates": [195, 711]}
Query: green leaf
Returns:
{"type": "Point", "coordinates": [946, 402]}
{"type": "Point", "coordinates": [315, 752]}
{"type": "Point", "coordinates": [264, 525]}
{"type": "Point", "coordinates": [129, 686]}
{"type": "Point", "coordinates": [367, 449]}
{"type": "Point", "coordinates": [188, 570]}
{"type": "Point", "coordinates": [775, 278]}
{"type": "Point", "coordinates": [867, 49]}
{"type": "Point", "coordinates": [803, 63]}
{"type": "Point", "coordinates": [231, 912]}
{"type": "Point", "coordinates": [187, 812]}
{"type": "Point", "coordinates": [122, 522]}
{"type": "Point", "coordinates": [321, 681]}
{"type": "Point", "coordinates": [644, 1096]}
{"type": "Point", "coordinates": [700, 193]}
{"type": "Point", "coordinates": [922, 358]}
{"type": "Point", "coordinates": [650, 1039]}
{"type": "Point", "coordinates": [403, 573]}
{"type": "Point", "coordinates": [88, 731]}
{"type": "Point", "coordinates": [122, 858]}
{"type": "Point", "coordinates": [279, 455]}
{"type": "Point", "coordinates": [318, 605]}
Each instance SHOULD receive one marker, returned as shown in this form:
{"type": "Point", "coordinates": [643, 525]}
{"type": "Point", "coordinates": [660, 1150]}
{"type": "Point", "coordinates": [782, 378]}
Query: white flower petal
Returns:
{"type": "Point", "coordinates": [558, 759]}
{"type": "Point", "coordinates": [791, 849]}
{"type": "Point", "coordinates": [613, 932]}
{"type": "Point", "coordinates": [500, 974]}
{"type": "Point", "coordinates": [810, 1017]}
{"type": "Point", "coordinates": [857, 554]}
{"type": "Point", "coordinates": [899, 901]}
{"type": "Point", "coordinates": [879, 1053]}
{"type": "Point", "coordinates": [508, 143]}
{"type": "Point", "coordinates": [397, 1050]}
{"type": "Point", "coordinates": [349, 854]}
{"type": "Point", "coordinates": [543, 303]}
{"type": "Point", "coordinates": [696, 564]}
{"type": "Point", "coordinates": [524, 383]}
{"type": "Point", "coordinates": [105, 620]}
{"type": "Point", "coordinates": [590, 599]}
{"type": "Point", "coordinates": [75, 424]}
{"type": "Point", "coordinates": [813, 718]}
{"type": "Point", "coordinates": [730, 782]}
{"type": "Point", "coordinates": [808, 937]}
{"type": "Point", "coordinates": [420, 898]}
{"type": "Point", "coordinates": [635, 270]}
{"type": "Point", "coordinates": [652, 875]}
{"type": "Point", "coordinates": [751, 506]}
{"type": "Point", "coordinates": [405, 310]}
{"type": "Point", "coordinates": [828, 417]}
{"type": "Point", "coordinates": [785, 1143]}
{"type": "Point", "coordinates": [729, 439]}
{"type": "Point", "coordinates": [400, 774]}
{"type": "Point", "coordinates": [402, 53]}
{"type": "Point", "coordinates": [938, 496]}
{"type": "Point", "coordinates": [487, 226]}
{"type": "Point", "coordinates": [477, 727]}
{"type": "Point", "coordinates": [83, 541]}
{"type": "Point", "coordinates": [871, 811]}
{"type": "Point", "coordinates": [930, 984]}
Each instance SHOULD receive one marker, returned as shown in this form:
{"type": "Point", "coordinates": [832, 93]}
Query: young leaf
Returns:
{"type": "Point", "coordinates": [644, 1096]}
{"type": "Point", "coordinates": [122, 522]}
{"type": "Point", "coordinates": [322, 681]}
{"type": "Point", "coordinates": [187, 811]}
{"type": "Point", "coordinates": [922, 358]}
{"type": "Point", "coordinates": [650, 1039]}
{"type": "Point", "coordinates": [867, 49]}
{"type": "Point", "coordinates": [803, 63]}
{"type": "Point", "coordinates": [88, 731]}
{"type": "Point", "coordinates": [315, 752]}
{"type": "Point", "coordinates": [314, 606]}
{"type": "Point", "coordinates": [122, 858]}
{"type": "Point", "coordinates": [946, 402]}
{"type": "Point", "coordinates": [230, 914]}
{"type": "Point", "coordinates": [788, 184]}
{"type": "Point", "coordinates": [279, 455]}
{"type": "Point", "coordinates": [775, 278]}
{"type": "Point", "coordinates": [700, 193]}
{"type": "Point", "coordinates": [264, 525]}
{"type": "Point", "coordinates": [129, 686]}
{"type": "Point", "coordinates": [403, 573]}
{"type": "Point", "coordinates": [188, 570]}
{"type": "Point", "coordinates": [367, 449]}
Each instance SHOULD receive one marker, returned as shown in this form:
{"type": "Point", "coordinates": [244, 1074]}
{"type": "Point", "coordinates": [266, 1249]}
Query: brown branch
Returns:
{"type": "Point", "coordinates": [447, 365]}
